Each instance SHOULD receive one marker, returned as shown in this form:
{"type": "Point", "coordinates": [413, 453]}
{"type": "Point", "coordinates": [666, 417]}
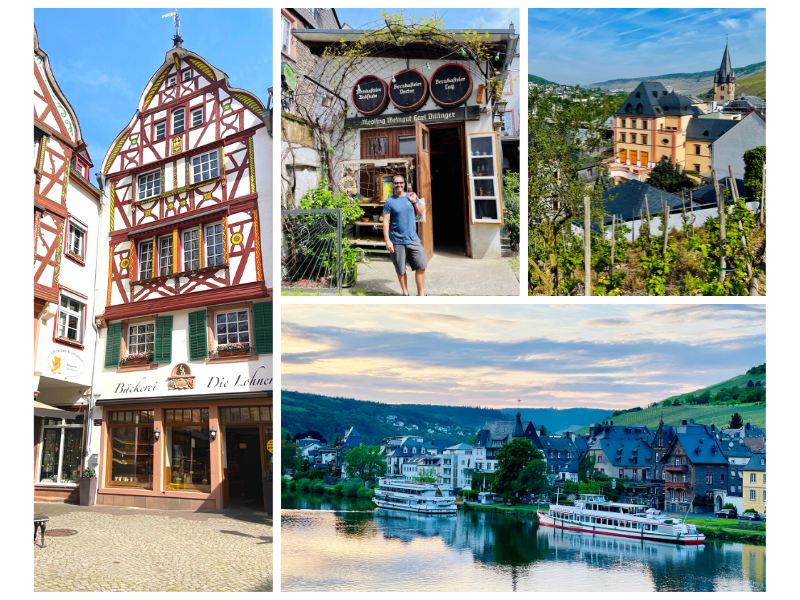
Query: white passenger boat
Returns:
{"type": "Point", "coordinates": [413, 496]}
{"type": "Point", "coordinates": [592, 513]}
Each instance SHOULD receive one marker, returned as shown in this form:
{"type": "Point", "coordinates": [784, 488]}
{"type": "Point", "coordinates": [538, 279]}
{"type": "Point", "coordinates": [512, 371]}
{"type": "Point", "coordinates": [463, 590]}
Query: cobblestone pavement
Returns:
{"type": "Point", "coordinates": [133, 549]}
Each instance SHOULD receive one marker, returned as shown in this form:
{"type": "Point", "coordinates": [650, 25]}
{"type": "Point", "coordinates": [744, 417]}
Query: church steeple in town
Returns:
{"type": "Point", "coordinates": [724, 79]}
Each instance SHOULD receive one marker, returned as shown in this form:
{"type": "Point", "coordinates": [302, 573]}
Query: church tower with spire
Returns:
{"type": "Point", "coordinates": [724, 79]}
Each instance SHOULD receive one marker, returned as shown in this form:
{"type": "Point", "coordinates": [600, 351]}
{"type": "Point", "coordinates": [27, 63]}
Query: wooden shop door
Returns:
{"type": "Point", "coordinates": [425, 229]}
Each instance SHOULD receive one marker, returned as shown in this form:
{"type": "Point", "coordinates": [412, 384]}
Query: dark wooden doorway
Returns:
{"type": "Point", "coordinates": [448, 187]}
{"type": "Point", "coordinates": [244, 455]}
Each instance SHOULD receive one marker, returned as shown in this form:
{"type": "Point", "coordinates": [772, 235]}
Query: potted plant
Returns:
{"type": "Point", "coordinates": [351, 257]}
{"type": "Point", "coordinates": [88, 487]}
{"type": "Point", "coordinates": [267, 483]}
{"type": "Point", "coordinates": [137, 358]}
{"type": "Point", "coordinates": [238, 349]}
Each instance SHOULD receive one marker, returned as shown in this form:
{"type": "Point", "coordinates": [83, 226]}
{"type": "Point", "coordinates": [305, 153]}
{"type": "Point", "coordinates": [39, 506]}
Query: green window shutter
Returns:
{"type": "Point", "coordinates": [198, 343]}
{"type": "Point", "coordinates": [113, 345]}
{"type": "Point", "coordinates": [163, 345]}
{"type": "Point", "coordinates": [262, 327]}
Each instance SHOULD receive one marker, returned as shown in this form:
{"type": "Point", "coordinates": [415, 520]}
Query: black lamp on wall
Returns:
{"type": "Point", "coordinates": [213, 433]}
{"type": "Point", "coordinates": [157, 434]}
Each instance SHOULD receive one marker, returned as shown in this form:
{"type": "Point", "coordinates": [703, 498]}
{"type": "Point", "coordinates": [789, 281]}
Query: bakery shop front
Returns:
{"type": "Point", "coordinates": [188, 437]}
{"type": "Point", "coordinates": [430, 113]}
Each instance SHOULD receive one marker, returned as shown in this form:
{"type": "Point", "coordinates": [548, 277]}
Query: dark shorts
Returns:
{"type": "Point", "coordinates": [414, 253]}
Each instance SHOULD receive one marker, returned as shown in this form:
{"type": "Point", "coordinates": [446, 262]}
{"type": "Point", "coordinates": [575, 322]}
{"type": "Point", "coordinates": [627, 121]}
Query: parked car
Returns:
{"type": "Point", "coordinates": [751, 516]}
{"type": "Point", "coordinates": [726, 513]}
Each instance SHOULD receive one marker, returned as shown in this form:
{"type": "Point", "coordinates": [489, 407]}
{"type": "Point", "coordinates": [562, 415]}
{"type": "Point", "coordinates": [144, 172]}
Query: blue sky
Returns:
{"type": "Point", "coordinates": [585, 45]}
{"type": "Point", "coordinates": [563, 356]}
{"type": "Point", "coordinates": [102, 59]}
{"type": "Point", "coordinates": [454, 18]}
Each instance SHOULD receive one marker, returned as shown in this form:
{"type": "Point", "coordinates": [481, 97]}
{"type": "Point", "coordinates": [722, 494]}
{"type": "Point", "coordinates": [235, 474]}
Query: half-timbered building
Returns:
{"type": "Point", "coordinates": [65, 231]}
{"type": "Point", "coordinates": [184, 419]}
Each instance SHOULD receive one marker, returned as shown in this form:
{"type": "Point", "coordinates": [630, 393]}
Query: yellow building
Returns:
{"type": "Point", "coordinates": [654, 123]}
{"type": "Point", "coordinates": [754, 494]}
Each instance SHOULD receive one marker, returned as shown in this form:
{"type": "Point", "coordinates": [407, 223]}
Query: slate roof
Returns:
{"type": "Point", "coordinates": [618, 432]}
{"type": "Point", "coordinates": [460, 447]}
{"type": "Point", "coordinates": [755, 462]}
{"type": "Point", "coordinates": [497, 430]}
{"type": "Point", "coordinates": [706, 195]}
{"type": "Point", "coordinates": [440, 445]}
{"type": "Point", "coordinates": [698, 448]}
{"type": "Point", "coordinates": [626, 453]}
{"type": "Point", "coordinates": [629, 200]}
{"type": "Point", "coordinates": [351, 438]}
{"type": "Point", "coordinates": [651, 99]}
{"type": "Point", "coordinates": [725, 72]}
{"type": "Point", "coordinates": [305, 442]}
{"type": "Point", "coordinates": [708, 130]}
{"type": "Point", "coordinates": [734, 448]}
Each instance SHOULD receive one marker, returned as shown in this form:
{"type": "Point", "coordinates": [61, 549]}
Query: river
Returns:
{"type": "Point", "coordinates": [346, 545]}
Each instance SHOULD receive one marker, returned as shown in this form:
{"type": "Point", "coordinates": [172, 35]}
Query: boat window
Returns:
{"type": "Point", "coordinates": [616, 523]}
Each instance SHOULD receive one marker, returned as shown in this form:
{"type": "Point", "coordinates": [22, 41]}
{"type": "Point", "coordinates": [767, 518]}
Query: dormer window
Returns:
{"type": "Point", "coordinates": [405, 450]}
{"type": "Point", "coordinates": [705, 133]}
{"type": "Point", "coordinates": [160, 130]}
{"type": "Point", "coordinates": [666, 108]}
{"type": "Point", "coordinates": [187, 75]}
{"type": "Point", "coordinates": [638, 94]}
{"type": "Point", "coordinates": [639, 108]}
{"type": "Point", "coordinates": [655, 94]}
{"type": "Point", "coordinates": [629, 108]}
{"type": "Point", "coordinates": [171, 81]}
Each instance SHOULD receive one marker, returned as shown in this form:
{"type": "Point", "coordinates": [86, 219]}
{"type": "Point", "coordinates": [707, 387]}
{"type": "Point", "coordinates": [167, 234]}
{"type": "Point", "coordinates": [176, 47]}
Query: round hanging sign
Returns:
{"type": "Point", "coordinates": [408, 90]}
{"type": "Point", "coordinates": [451, 85]}
{"type": "Point", "coordinates": [370, 96]}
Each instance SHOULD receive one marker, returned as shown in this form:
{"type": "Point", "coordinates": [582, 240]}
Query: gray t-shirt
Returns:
{"type": "Point", "coordinates": [403, 221]}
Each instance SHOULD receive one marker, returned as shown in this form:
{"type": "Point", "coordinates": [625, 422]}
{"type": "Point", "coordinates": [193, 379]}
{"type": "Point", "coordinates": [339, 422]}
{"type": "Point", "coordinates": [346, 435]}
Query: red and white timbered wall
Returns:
{"type": "Point", "coordinates": [216, 120]}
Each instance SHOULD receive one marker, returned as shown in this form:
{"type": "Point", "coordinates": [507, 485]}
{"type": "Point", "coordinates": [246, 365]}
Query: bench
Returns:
{"type": "Point", "coordinates": [39, 522]}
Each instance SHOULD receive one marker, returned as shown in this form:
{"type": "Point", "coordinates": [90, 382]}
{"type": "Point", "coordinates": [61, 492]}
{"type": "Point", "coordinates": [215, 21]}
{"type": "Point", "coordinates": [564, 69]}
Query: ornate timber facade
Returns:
{"type": "Point", "coordinates": [65, 230]}
{"type": "Point", "coordinates": [188, 274]}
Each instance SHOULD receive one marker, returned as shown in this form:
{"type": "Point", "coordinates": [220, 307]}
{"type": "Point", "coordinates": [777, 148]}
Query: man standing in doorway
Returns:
{"type": "Point", "coordinates": [400, 234]}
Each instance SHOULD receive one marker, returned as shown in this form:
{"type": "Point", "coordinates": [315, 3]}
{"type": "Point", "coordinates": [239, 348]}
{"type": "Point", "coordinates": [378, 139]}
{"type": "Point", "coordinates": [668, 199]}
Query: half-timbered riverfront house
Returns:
{"type": "Point", "coordinates": [65, 224]}
{"type": "Point", "coordinates": [184, 417]}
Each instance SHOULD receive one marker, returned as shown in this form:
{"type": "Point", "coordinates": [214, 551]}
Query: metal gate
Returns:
{"type": "Point", "coordinates": [311, 250]}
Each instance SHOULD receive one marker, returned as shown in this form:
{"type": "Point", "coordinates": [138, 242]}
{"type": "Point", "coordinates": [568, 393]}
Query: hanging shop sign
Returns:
{"type": "Point", "coordinates": [451, 85]}
{"type": "Point", "coordinates": [370, 95]}
{"type": "Point", "coordinates": [461, 113]}
{"type": "Point", "coordinates": [64, 364]}
{"type": "Point", "coordinates": [408, 90]}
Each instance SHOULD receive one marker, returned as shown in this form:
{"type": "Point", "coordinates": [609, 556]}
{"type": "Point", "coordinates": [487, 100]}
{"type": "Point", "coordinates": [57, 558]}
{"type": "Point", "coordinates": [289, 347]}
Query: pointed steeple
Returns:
{"type": "Point", "coordinates": [519, 430]}
{"type": "Point", "coordinates": [725, 73]}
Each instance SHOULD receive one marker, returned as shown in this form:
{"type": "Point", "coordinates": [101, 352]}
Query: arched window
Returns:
{"type": "Point", "coordinates": [639, 108]}
{"type": "Point", "coordinates": [629, 108]}
{"type": "Point", "coordinates": [638, 94]}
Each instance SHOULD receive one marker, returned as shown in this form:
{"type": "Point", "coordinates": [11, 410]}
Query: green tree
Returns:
{"type": "Point", "coordinates": [511, 460]}
{"type": "Point", "coordinates": [704, 398]}
{"type": "Point", "coordinates": [426, 475]}
{"type": "Point", "coordinates": [605, 181]}
{"type": "Point", "coordinates": [736, 421]}
{"type": "Point", "coordinates": [543, 430]}
{"type": "Point", "coordinates": [290, 456]}
{"type": "Point", "coordinates": [754, 161]}
{"type": "Point", "coordinates": [365, 462]}
{"type": "Point", "coordinates": [586, 467]}
{"type": "Point", "coordinates": [532, 480]}
{"type": "Point", "coordinates": [511, 205]}
{"type": "Point", "coordinates": [669, 177]}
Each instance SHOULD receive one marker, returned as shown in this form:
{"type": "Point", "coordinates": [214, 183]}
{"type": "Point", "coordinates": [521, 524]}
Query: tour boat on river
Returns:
{"type": "Point", "coordinates": [592, 513]}
{"type": "Point", "coordinates": [413, 496]}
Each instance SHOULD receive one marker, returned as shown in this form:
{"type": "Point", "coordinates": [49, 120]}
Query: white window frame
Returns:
{"type": "Point", "coordinates": [201, 111]}
{"type": "Point", "coordinates": [286, 35]}
{"type": "Point", "coordinates": [142, 182]}
{"type": "Point", "coordinates": [209, 239]}
{"type": "Point", "coordinates": [189, 265]}
{"type": "Point", "coordinates": [200, 161]}
{"type": "Point", "coordinates": [172, 80]}
{"type": "Point", "coordinates": [182, 112]}
{"type": "Point", "coordinates": [162, 256]}
{"type": "Point", "coordinates": [68, 311]}
{"type": "Point", "coordinates": [752, 495]}
{"type": "Point", "coordinates": [63, 427]}
{"type": "Point", "coordinates": [143, 261]}
{"type": "Point", "coordinates": [494, 179]}
{"type": "Point", "coordinates": [227, 334]}
{"type": "Point", "coordinates": [135, 326]}
{"type": "Point", "coordinates": [186, 75]}
{"type": "Point", "coordinates": [163, 133]}
{"type": "Point", "coordinates": [76, 226]}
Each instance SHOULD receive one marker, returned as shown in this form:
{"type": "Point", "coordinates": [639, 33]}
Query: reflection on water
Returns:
{"type": "Point", "coordinates": [346, 544]}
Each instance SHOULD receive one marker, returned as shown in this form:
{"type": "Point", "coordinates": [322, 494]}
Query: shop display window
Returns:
{"type": "Point", "coordinates": [60, 457]}
{"type": "Point", "coordinates": [131, 449]}
{"type": "Point", "coordinates": [187, 446]}
{"type": "Point", "coordinates": [485, 193]}
{"type": "Point", "coordinates": [244, 414]}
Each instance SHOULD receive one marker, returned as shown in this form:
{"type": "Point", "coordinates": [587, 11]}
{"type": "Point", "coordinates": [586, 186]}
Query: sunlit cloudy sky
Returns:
{"type": "Point", "coordinates": [589, 45]}
{"type": "Point", "coordinates": [563, 356]}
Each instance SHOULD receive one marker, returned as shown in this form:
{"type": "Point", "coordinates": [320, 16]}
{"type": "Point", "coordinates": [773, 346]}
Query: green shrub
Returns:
{"type": "Point", "coordinates": [316, 474]}
{"type": "Point", "coordinates": [351, 487]}
{"type": "Point", "coordinates": [362, 492]}
{"type": "Point", "coordinates": [317, 487]}
{"type": "Point", "coordinates": [292, 485]}
{"type": "Point", "coordinates": [338, 489]}
{"type": "Point", "coordinates": [284, 483]}
{"type": "Point", "coordinates": [304, 484]}
{"type": "Point", "coordinates": [751, 510]}
{"type": "Point", "coordinates": [470, 494]}
{"type": "Point", "coordinates": [320, 196]}
{"type": "Point", "coordinates": [732, 507]}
